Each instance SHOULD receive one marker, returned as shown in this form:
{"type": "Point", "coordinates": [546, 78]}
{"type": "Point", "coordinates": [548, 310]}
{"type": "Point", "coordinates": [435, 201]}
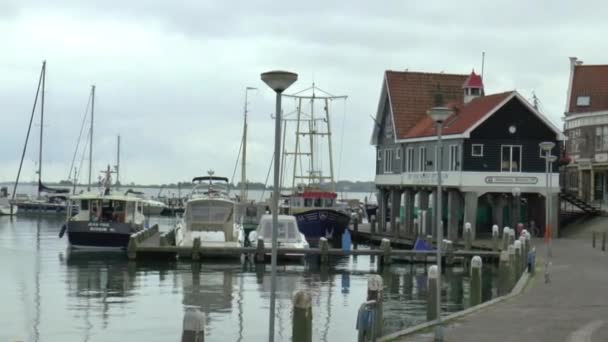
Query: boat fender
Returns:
{"type": "Point", "coordinates": [63, 229]}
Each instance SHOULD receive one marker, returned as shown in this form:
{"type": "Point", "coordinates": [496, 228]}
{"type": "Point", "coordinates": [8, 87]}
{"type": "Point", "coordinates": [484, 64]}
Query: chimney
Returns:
{"type": "Point", "coordinates": [472, 87]}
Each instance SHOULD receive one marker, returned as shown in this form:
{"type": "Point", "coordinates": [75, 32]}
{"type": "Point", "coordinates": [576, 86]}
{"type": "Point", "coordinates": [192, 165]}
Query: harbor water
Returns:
{"type": "Point", "coordinates": [50, 293]}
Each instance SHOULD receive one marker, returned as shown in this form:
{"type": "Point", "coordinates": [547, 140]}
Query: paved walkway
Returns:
{"type": "Point", "coordinates": [573, 307]}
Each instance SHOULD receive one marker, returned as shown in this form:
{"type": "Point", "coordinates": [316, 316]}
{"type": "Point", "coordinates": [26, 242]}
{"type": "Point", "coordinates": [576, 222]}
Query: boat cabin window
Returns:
{"type": "Point", "coordinates": [308, 202]}
{"type": "Point", "coordinates": [285, 231]}
{"type": "Point", "coordinates": [107, 211]}
{"type": "Point", "coordinates": [318, 202]}
{"type": "Point", "coordinates": [84, 204]}
{"type": "Point", "coordinates": [206, 213]}
{"type": "Point", "coordinates": [329, 202]}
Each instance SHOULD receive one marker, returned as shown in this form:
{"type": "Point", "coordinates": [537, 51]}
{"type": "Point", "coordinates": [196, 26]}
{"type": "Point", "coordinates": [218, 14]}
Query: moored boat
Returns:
{"type": "Point", "coordinates": [288, 234]}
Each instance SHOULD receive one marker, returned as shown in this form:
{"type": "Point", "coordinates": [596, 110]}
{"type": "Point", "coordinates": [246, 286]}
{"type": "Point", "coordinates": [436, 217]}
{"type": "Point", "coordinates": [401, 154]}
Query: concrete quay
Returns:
{"type": "Point", "coordinates": [566, 302]}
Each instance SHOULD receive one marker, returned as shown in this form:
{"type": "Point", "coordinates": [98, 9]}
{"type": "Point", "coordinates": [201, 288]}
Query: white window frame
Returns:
{"type": "Point", "coordinates": [454, 162]}
{"type": "Point", "coordinates": [409, 159]}
{"type": "Point", "coordinates": [583, 101]}
{"type": "Point", "coordinates": [473, 150]}
{"type": "Point", "coordinates": [388, 160]}
{"type": "Point", "coordinates": [398, 156]}
{"type": "Point", "coordinates": [520, 166]}
{"type": "Point", "coordinates": [422, 159]}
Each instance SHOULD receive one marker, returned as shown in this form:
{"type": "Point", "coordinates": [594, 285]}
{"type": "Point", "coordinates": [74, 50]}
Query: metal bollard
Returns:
{"type": "Point", "coordinates": [302, 317]}
{"type": "Point", "coordinates": [193, 329]}
{"type": "Point", "coordinates": [495, 234]}
{"type": "Point", "coordinates": [475, 289]}
{"type": "Point", "coordinates": [468, 236]}
{"type": "Point", "coordinates": [431, 302]}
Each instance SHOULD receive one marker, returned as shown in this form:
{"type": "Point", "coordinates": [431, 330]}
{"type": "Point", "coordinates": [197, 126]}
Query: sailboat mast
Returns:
{"type": "Point", "coordinates": [331, 159]}
{"type": "Point", "coordinates": [91, 136]}
{"type": "Point", "coordinates": [244, 155]}
{"type": "Point", "coordinates": [117, 160]}
{"type": "Point", "coordinates": [41, 126]}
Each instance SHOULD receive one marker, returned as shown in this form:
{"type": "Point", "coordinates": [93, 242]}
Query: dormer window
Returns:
{"type": "Point", "coordinates": [475, 91]}
{"type": "Point", "coordinates": [583, 101]}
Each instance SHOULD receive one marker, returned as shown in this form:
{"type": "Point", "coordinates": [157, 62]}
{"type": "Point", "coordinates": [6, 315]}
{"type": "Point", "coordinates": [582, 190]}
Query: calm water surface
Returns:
{"type": "Point", "coordinates": [51, 294]}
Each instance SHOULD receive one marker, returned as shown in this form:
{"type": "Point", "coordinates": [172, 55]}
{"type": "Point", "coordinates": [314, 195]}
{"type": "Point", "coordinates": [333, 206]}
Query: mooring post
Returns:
{"type": "Point", "coordinates": [503, 274]}
{"type": "Point", "coordinates": [511, 236]}
{"type": "Point", "coordinates": [475, 292]}
{"type": "Point", "coordinates": [593, 239]}
{"type": "Point", "coordinates": [196, 248]}
{"type": "Point", "coordinates": [385, 246]}
{"type": "Point", "coordinates": [518, 261]}
{"type": "Point", "coordinates": [194, 326]}
{"type": "Point", "coordinates": [324, 247]}
{"type": "Point", "coordinates": [431, 301]}
{"type": "Point", "coordinates": [355, 223]}
{"type": "Point", "coordinates": [505, 238]}
{"type": "Point", "coordinates": [259, 251]}
{"type": "Point", "coordinates": [524, 252]}
{"type": "Point", "coordinates": [468, 236]}
{"type": "Point", "coordinates": [375, 288]}
{"type": "Point", "coordinates": [132, 248]}
{"type": "Point", "coordinates": [397, 227]}
{"type": "Point", "coordinates": [448, 250]}
{"type": "Point", "coordinates": [302, 317]}
{"type": "Point", "coordinates": [372, 230]}
{"type": "Point", "coordinates": [511, 250]}
{"type": "Point", "coordinates": [603, 241]}
{"type": "Point", "coordinates": [495, 234]}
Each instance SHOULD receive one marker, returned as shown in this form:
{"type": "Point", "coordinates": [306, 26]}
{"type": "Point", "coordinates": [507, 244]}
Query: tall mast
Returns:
{"type": "Point", "coordinates": [244, 155]}
{"type": "Point", "coordinates": [91, 136]}
{"type": "Point", "coordinates": [117, 159]}
{"type": "Point", "coordinates": [331, 158]}
{"type": "Point", "coordinates": [41, 126]}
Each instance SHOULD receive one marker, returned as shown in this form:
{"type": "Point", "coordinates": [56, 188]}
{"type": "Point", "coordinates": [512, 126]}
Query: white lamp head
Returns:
{"type": "Point", "coordinates": [552, 159]}
{"type": "Point", "coordinates": [439, 114]}
{"type": "Point", "coordinates": [547, 145]}
{"type": "Point", "coordinates": [279, 80]}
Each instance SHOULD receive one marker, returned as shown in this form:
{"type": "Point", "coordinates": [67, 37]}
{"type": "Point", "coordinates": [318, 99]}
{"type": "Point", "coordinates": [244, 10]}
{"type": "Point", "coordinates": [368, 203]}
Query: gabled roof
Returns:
{"type": "Point", "coordinates": [473, 81]}
{"type": "Point", "coordinates": [592, 81]}
{"type": "Point", "coordinates": [411, 94]}
{"type": "Point", "coordinates": [464, 117]}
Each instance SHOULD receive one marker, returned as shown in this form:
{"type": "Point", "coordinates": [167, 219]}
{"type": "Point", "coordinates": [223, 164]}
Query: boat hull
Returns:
{"type": "Point", "coordinates": [98, 235]}
{"type": "Point", "coordinates": [318, 223]}
{"type": "Point", "coordinates": [6, 210]}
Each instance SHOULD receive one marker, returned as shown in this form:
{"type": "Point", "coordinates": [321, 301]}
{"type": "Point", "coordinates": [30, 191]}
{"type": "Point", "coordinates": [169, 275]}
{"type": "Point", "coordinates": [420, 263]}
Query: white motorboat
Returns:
{"type": "Point", "coordinates": [5, 205]}
{"type": "Point", "coordinates": [288, 234]}
{"type": "Point", "coordinates": [151, 207]}
{"type": "Point", "coordinates": [210, 216]}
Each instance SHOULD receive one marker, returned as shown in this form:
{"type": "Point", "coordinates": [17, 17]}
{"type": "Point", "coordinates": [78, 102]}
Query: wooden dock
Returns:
{"type": "Point", "coordinates": [151, 243]}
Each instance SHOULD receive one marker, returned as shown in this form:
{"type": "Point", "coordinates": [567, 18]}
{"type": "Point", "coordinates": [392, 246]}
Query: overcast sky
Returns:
{"type": "Point", "coordinates": [171, 75]}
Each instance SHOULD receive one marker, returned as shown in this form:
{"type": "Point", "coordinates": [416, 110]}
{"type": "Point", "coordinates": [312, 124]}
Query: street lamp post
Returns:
{"type": "Point", "coordinates": [278, 81]}
{"type": "Point", "coordinates": [547, 146]}
{"type": "Point", "coordinates": [439, 115]}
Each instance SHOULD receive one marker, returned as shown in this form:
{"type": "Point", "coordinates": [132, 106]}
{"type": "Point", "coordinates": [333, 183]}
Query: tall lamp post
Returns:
{"type": "Point", "coordinates": [439, 115]}
{"type": "Point", "coordinates": [278, 81]}
{"type": "Point", "coordinates": [546, 147]}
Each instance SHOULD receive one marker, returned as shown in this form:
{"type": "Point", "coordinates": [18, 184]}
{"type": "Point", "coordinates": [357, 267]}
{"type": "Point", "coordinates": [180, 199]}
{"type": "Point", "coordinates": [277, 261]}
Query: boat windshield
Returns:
{"type": "Point", "coordinates": [107, 211]}
{"type": "Point", "coordinates": [287, 230]}
{"type": "Point", "coordinates": [213, 189]}
{"type": "Point", "coordinates": [204, 212]}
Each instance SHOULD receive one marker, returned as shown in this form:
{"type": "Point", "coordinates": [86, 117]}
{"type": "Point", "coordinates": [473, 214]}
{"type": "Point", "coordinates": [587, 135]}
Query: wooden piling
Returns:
{"type": "Point", "coordinates": [373, 225]}
{"type": "Point", "coordinates": [193, 329]}
{"type": "Point", "coordinates": [518, 259]}
{"type": "Point", "coordinates": [397, 227]}
{"type": "Point", "coordinates": [302, 317]}
{"type": "Point", "coordinates": [375, 288]}
{"type": "Point", "coordinates": [503, 274]}
{"type": "Point", "coordinates": [475, 286]}
{"type": "Point", "coordinates": [511, 236]}
{"type": "Point", "coordinates": [132, 248]}
{"type": "Point", "coordinates": [505, 238]}
{"type": "Point", "coordinates": [259, 252]}
{"type": "Point", "coordinates": [468, 236]}
{"type": "Point", "coordinates": [385, 246]}
{"type": "Point", "coordinates": [495, 234]}
{"type": "Point", "coordinates": [431, 302]}
{"type": "Point", "coordinates": [511, 251]}
{"type": "Point", "coordinates": [324, 247]}
{"type": "Point", "coordinates": [593, 239]}
{"type": "Point", "coordinates": [196, 247]}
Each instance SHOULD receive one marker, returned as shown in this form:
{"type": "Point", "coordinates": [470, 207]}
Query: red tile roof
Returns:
{"type": "Point", "coordinates": [411, 94]}
{"type": "Point", "coordinates": [592, 81]}
{"type": "Point", "coordinates": [473, 81]}
{"type": "Point", "coordinates": [465, 116]}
